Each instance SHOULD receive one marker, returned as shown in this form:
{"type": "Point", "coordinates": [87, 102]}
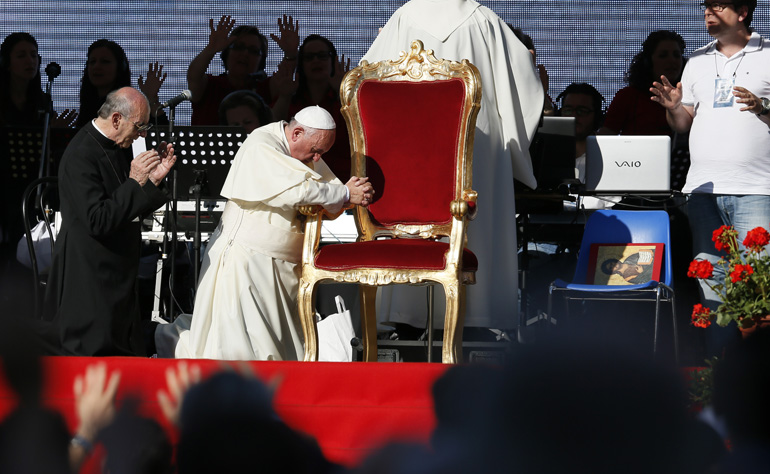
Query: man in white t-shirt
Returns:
{"type": "Point", "coordinates": [722, 101]}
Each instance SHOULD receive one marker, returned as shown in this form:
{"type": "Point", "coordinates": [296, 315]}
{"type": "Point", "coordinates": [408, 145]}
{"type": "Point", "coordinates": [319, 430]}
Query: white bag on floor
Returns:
{"type": "Point", "coordinates": [334, 334]}
{"type": "Point", "coordinates": [41, 240]}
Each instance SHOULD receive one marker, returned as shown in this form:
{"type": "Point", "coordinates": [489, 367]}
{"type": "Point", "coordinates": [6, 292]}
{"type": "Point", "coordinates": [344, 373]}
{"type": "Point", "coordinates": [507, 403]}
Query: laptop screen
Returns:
{"type": "Point", "coordinates": [553, 152]}
{"type": "Point", "coordinates": [629, 163]}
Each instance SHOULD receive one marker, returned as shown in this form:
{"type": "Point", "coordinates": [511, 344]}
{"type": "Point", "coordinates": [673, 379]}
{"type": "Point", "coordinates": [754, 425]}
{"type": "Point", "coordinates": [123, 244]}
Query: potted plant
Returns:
{"type": "Point", "coordinates": [746, 287]}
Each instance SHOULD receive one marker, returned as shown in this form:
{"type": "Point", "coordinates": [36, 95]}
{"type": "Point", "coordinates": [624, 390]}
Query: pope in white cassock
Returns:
{"type": "Point", "coordinates": [246, 301]}
{"type": "Point", "coordinates": [511, 106]}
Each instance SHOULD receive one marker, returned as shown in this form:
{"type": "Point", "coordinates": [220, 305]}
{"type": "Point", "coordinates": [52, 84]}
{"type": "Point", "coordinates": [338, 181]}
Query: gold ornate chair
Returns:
{"type": "Point", "coordinates": [411, 123]}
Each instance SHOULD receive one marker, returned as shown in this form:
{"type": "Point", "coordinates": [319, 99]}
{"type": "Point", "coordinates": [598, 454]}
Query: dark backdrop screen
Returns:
{"type": "Point", "coordinates": [577, 40]}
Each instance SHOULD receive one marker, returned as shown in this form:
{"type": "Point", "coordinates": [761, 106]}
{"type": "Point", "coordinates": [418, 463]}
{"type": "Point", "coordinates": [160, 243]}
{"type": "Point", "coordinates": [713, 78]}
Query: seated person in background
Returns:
{"type": "Point", "coordinates": [319, 75]}
{"type": "Point", "coordinates": [631, 111]}
{"type": "Point", "coordinates": [582, 101]}
{"type": "Point", "coordinates": [548, 107]}
{"type": "Point", "coordinates": [244, 109]}
{"type": "Point", "coordinates": [106, 70]}
{"type": "Point", "coordinates": [244, 55]}
{"type": "Point", "coordinates": [246, 302]}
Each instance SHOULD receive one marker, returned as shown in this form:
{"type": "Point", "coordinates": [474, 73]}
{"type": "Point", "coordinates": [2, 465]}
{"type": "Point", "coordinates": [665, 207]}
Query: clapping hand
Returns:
{"type": "Point", "coordinates": [288, 40]}
{"type": "Point", "coordinates": [340, 69]}
{"type": "Point", "coordinates": [219, 38]}
{"type": "Point", "coordinates": [166, 160]}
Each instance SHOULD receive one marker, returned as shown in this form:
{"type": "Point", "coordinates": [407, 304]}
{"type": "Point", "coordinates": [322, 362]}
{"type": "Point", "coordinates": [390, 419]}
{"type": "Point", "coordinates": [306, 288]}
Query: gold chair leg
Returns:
{"type": "Point", "coordinates": [307, 317]}
{"type": "Point", "coordinates": [369, 321]}
{"type": "Point", "coordinates": [451, 351]}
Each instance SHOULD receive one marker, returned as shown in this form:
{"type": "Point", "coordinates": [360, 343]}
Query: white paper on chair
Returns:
{"type": "Point", "coordinates": [334, 334]}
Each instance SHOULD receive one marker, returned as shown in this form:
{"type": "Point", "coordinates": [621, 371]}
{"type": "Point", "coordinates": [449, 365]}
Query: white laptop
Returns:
{"type": "Point", "coordinates": [619, 164]}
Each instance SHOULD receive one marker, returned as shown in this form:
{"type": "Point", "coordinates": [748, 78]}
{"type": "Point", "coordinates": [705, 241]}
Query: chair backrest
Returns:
{"type": "Point", "coordinates": [39, 204]}
{"type": "Point", "coordinates": [624, 227]}
{"type": "Point", "coordinates": [411, 123]}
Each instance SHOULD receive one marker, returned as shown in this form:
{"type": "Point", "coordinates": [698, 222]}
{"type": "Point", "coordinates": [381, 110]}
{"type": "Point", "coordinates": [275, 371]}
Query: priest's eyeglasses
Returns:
{"type": "Point", "coordinates": [715, 6]}
{"type": "Point", "coordinates": [142, 127]}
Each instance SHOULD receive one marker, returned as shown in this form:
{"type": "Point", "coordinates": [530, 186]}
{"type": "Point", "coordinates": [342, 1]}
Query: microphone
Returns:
{"type": "Point", "coordinates": [185, 95]}
{"type": "Point", "coordinates": [52, 71]}
{"type": "Point", "coordinates": [258, 76]}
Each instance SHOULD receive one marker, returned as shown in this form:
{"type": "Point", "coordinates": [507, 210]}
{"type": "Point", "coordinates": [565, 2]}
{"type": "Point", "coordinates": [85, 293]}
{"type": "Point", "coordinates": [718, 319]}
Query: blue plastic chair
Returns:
{"type": "Point", "coordinates": [623, 227]}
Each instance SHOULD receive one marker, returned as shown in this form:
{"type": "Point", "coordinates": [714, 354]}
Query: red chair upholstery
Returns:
{"type": "Point", "coordinates": [411, 123]}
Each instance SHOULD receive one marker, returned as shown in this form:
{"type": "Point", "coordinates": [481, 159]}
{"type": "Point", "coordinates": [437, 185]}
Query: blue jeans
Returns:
{"type": "Point", "coordinates": [708, 212]}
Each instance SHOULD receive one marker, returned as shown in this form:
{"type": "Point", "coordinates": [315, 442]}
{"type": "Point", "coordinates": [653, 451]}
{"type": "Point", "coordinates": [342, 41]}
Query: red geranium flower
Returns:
{"type": "Point", "coordinates": [721, 238]}
{"type": "Point", "coordinates": [740, 270]}
{"type": "Point", "coordinates": [701, 316]}
{"type": "Point", "coordinates": [756, 239]}
{"type": "Point", "coordinates": [700, 269]}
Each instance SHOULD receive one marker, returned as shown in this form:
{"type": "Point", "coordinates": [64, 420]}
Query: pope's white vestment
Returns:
{"type": "Point", "coordinates": [246, 301]}
{"type": "Point", "coordinates": [512, 103]}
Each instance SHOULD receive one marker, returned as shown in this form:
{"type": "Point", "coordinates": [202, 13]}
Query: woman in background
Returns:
{"type": "Point", "coordinates": [632, 112]}
{"type": "Point", "coordinates": [107, 69]}
{"type": "Point", "coordinates": [319, 75]}
{"type": "Point", "coordinates": [22, 102]}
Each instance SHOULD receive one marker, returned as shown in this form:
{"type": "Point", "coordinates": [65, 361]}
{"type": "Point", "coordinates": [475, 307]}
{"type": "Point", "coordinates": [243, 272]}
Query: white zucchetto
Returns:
{"type": "Point", "coordinates": [315, 117]}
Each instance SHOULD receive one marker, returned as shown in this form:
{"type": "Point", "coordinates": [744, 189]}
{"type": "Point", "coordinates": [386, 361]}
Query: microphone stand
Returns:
{"type": "Point", "coordinates": [169, 224]}
{"type": "Point", "coordinates": [196, 190]}
{"type": "Point", "coordinates": [52, 71]}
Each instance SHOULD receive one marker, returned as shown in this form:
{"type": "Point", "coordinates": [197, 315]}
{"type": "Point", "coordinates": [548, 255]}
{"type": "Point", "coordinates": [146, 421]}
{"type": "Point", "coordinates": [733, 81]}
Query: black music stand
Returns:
{"type": "Point", "coordinates": [20, 152]}
{"type": "Point", "coordinates": [203, 155]}
{"type": "Point", "coordinates": [201, 148]}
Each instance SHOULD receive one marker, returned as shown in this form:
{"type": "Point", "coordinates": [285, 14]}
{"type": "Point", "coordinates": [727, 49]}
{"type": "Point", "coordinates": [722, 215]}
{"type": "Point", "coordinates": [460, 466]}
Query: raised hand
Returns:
{"type": "Point", "coordinates": [66, 119]}
{"type": "Point", "coordinates": [177, 382]}
{"type": "Point", "coordinates": [288, 40]}
{"type": "Point", "coordinates": [666, 94]}
{"type": "Point", "coordinates": [155, 79]}
{"type": "Point", "coordinates": [544, 79]}
{"type": "Point", "coordinates": [283, 83]}
{"type": "Point", "coordinates": [219, 37]}
{"type": "Point", "coordinates": [95, 400]}
{"type": "Point", "coordinates": [340, 69]}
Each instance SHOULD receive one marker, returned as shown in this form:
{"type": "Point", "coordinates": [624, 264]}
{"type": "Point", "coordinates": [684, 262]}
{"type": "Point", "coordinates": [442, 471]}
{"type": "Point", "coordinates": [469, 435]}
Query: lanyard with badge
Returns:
{"type": "Point", "coordinates": [723, 87]}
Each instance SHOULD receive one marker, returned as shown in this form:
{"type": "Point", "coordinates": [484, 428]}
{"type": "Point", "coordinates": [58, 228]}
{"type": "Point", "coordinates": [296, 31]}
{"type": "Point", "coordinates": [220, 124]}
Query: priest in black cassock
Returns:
{"type": "Point", "coordinates": [92, 294]}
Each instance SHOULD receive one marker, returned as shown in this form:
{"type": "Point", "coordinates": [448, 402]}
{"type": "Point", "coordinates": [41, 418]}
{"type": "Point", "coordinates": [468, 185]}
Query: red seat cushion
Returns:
{"type": "Point", "coordinates": [407, 254]}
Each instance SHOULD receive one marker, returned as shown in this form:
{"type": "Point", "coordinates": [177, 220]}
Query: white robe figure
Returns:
{"type": "Point", "coordinates": [246, 301]}
{"type": "Point", "coordinates": [511, 106]}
